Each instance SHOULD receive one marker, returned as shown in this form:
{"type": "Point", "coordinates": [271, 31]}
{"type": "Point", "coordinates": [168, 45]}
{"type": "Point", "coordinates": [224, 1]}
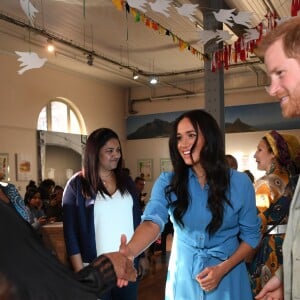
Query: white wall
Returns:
{"type": "Point", "coordinates": [23, 96]}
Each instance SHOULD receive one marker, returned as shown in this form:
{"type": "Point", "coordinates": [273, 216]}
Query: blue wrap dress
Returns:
{"type": "Point", "coordinates": [193, 249]}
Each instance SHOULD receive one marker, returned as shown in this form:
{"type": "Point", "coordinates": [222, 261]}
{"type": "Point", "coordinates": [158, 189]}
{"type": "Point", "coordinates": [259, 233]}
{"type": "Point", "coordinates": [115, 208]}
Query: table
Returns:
{"type": "Point", "coordinates": [53, 237]}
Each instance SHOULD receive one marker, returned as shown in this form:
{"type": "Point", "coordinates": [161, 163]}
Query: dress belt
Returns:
{"type": "Point", "coordinates": [279, 229]}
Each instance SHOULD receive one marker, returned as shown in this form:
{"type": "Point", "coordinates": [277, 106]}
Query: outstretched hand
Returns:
{"type": "Point", "coordinates": [123, 266]}
{"type": "Point", "coordinates": [273, 290]}
{"type": "Point", "coordinates": [124, 249]}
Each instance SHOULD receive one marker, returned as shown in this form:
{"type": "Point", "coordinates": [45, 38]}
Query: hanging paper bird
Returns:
{"type": "Point", "coordinates": [207, 35]}
{"type": "Point", "coordinates": [251, 35]}
{"type": "Point", "coordinates": [161, 6]}
{"type": "Point", "coordinates": [223, 35]}
{"type": "Point", "coordinates": [29, 60]}
{"type": "Point", "coordinates": [187, 10]}
{"type": "Point", "coordinates": [224, 16]}
{"type": "Point", "coordinates": [138, 4]}
{"type": "Point", "coordinates": [29, 10]}
{"type": "Point", "coordinates": [243, 18]}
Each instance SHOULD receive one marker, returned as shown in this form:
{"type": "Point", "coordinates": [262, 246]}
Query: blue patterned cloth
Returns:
{"type": "Point", "coordinates": [15, 199]}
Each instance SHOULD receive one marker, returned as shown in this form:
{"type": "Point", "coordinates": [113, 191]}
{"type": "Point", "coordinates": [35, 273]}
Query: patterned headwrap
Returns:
{"type": "Point", "coordinates": [15, 198]}
{"type": "Point", "coordinates": [286, 148]}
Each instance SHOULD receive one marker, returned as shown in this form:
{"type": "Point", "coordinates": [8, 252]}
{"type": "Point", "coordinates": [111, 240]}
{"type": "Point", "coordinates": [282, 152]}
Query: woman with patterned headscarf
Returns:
{"type": "Point", "coordinates": [10, 195]}
{"type": "Point", "coordinates": [278, 155]}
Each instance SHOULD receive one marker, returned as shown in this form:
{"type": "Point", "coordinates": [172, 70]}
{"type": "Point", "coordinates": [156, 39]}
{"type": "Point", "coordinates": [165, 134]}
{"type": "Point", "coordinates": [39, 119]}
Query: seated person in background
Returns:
{"type": "Point", "coordinates": [46, 189]}
{"type": "Point", "coordinates": [37, 216]}
{"type": "Point", "coordinates": [232, 161]}
{"type": "Point", "coordinates": [54, 209]}
{"type": "Point", "coordinates": [31, 185]}
{"type": "Point", "coordinates": [140, 184]}
{"type": "Point", "coordinates": [30, 272]}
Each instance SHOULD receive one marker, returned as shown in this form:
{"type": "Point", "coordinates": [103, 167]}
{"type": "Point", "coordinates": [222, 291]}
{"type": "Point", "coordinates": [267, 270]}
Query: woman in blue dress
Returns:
{"type": "Point", "coordinates": [212, 208]}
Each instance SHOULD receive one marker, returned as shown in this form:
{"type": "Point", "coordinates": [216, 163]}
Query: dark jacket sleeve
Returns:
{"type": "Point", "coordinates": [78, 220]}
{"type": "Point", "coordinates": [99, 275]}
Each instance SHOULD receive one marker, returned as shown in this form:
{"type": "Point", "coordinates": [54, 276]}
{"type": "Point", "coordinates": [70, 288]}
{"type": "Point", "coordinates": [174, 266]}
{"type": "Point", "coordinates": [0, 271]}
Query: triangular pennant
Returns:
{"type": "Point", "coordinates": [118, 4]}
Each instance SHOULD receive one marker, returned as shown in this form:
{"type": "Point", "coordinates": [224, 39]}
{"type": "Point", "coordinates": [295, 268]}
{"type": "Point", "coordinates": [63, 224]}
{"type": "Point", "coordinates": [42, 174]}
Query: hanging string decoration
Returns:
{"type": "Point", "coordinates": [118, 4]}
{"type": "Point", "coordinates": [244, 46]}
{"type": "Point", "coordinates": [295, 7]}
{"type": "Point", "coordinates": [151, 24]}
{"type": "Point", "coordinates": [29, 60]}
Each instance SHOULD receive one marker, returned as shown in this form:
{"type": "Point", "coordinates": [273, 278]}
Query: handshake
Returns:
{"type": "Point", "coordinates": [122, 263]}
{"type": "Point", "coordinates": [113, 269]}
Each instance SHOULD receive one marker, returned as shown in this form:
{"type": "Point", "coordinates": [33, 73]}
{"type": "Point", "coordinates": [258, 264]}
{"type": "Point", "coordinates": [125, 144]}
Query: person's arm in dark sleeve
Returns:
{"type": "Point", "coordinates": [104, 271]}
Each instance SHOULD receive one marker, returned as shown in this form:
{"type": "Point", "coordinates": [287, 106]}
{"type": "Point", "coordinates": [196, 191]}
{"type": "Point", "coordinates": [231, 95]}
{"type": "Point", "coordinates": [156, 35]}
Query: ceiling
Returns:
{"type": "Point", "coordinates": [118, 43]}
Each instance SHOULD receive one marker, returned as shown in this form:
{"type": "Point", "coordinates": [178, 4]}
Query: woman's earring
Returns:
{"type": "Point", "coordinates": [272, 168]}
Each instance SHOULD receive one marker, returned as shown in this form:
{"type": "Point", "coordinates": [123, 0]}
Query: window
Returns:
{"type": "Point", "coordinates": [59, 115]}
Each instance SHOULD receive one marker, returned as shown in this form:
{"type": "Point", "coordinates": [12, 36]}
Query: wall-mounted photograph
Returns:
{"type": "Point", "coordinates": [4, 167]}
{"type": "Point", "coordinates": [165, 165]}
{"type": "Point", "coordinates": [145, 169]}
{"type": "Point", "coordinates": [23, 167]}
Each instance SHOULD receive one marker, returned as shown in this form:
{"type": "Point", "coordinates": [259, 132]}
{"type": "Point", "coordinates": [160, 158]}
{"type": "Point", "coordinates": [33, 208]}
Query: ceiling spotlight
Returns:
{"type": "Point", "coordinates": [153, 80]}
{"type": "Point", "coordinates": [135, 75]}
{"type": "Point", "coordinates": [50, 46]}
{"type": "Point", "coordinates": [90, 59]}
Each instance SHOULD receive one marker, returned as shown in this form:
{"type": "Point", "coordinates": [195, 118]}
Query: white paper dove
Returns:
{"type": "Point", "coordinates": [187, 10]}
{"type": "Point", "coordinates": [161, 6]}
{"type": "Point", "coordinates": [138, 4]}
{"type": "Point", "coordinates": [224, 16]}
{"type": "Point", "coordinates": [223, 35]}
{"type": "Point", "coordinates": [29, 10]}
{"type": "Point", "coordinates": [207, 35]}
{"type": "Point", "coordinates": [29, 60]}
{"type": "Point", "coordinates": [243, 18]}
{"type": "Point", "coordinates": [250, 35]}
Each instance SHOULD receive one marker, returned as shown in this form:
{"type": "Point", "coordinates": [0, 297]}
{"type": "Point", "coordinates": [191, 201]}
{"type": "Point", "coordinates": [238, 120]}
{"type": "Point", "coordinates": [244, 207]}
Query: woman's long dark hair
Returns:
{"type": "Point", "coordinates": [212, 159]}
{"type": "Point", "coordinates": [91, 181]}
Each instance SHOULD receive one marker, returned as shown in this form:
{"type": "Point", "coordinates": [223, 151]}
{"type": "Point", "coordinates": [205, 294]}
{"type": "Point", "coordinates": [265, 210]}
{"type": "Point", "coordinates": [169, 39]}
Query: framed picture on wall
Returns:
{"type": "Point", "coordinates": [4, 166]}
{"type": "Point", "coordinates": [23, 167]}
{"type": "Point", "coordinates": [165, 165]}
{"type": "Point", "coordinates": [145, 169]}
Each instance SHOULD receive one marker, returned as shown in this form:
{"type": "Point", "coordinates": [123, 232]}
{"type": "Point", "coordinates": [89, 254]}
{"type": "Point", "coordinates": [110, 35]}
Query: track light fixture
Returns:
{"type": "Point", "coordinates": [153, 80]}
{"type": "Point", "coordinates": [90, 59]}
{"type": "Point", "coordinates": [135, 75]}
{"type": "Point", "coordinates": [50, 46]}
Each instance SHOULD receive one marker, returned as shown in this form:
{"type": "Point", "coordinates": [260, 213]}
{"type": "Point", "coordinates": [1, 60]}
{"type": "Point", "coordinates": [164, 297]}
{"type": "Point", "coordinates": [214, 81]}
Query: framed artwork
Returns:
{"type": "Point", "coordinates": [4, 165]}
{"type": "Point", "coordinates": [145, 169]}
{"type": "Point", "coordinates": [165, 165]}
{"type": "Point", "coordinates": [23, 167]}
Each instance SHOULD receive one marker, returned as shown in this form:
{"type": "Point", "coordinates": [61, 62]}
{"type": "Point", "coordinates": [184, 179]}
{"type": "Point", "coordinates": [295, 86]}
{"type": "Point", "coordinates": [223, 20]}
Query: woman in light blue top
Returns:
{"type": "Point", "coordinates": [213, 211]}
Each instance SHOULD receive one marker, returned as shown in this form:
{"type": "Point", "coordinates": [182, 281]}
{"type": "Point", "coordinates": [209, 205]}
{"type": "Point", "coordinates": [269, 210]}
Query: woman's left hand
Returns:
{"type": "Point", "coordinates": [210, 277]}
